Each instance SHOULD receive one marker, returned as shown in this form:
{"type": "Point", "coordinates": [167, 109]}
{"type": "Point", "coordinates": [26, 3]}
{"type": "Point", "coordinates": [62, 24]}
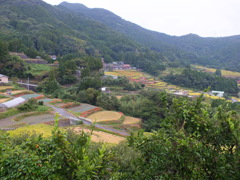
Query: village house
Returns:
{"type": "Point", "coordinates": [217, 93]}
{"type": "Point", "coordinates": [53, 57]}
{"type": "Point", "coordinates": [3, 78]}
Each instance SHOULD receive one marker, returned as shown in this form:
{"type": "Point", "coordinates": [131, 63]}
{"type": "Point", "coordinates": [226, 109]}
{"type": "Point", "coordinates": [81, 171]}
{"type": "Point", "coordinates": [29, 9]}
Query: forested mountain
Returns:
{"type": "Point", "coordinates": [74, 28]}
{"type": "Point", "coordinates": [221, 52]}
{"type": "Point", "coordinates": [57, 30]}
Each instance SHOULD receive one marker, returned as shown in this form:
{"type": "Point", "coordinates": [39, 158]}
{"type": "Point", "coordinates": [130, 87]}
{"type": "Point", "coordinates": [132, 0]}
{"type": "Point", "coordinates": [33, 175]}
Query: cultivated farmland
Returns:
{"type": "Point", "coordinates": [105, 116]}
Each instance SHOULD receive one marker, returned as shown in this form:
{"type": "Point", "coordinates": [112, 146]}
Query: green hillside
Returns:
{"type": "Point", "coordinates": [57, 30]}
{"type": "Point", "coordinates": [220, 53]}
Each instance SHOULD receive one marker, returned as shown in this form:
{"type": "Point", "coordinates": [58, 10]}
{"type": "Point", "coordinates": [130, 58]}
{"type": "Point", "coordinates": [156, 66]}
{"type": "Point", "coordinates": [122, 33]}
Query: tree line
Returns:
{"type": "Point", "coordinates": [200, 80]}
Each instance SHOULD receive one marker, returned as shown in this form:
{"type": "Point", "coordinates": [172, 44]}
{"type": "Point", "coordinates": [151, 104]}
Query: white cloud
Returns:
{"type": "Point", "coordinates": [175, 17]}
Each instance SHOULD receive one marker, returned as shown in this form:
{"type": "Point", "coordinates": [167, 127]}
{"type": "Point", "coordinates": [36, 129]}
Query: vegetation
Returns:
{"type": "Point", "coordinates": [11, 65]}
{"type": "Point", "coordinates": [220, 53]}
{"type": "Point", "coordinates": [192, 141]}
{"type": "Point", "coordinates": [199, 80]}
{"type": "Point", "coordinates": [8, 113]}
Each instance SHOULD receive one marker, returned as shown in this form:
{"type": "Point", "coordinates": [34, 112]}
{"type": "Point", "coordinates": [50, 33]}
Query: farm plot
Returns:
{"type": "Point", "coordinates": [2, 88]}
{"type": "Point", "coordinates": [99, 136]}
{"type": "Point", "coordinates": [2, 100]}
{"type": "Point", "coordinates": [30, 96]}
{"type": "Point", "coordinates": [105, 116]}
{"type": "Point", "coordinates": [46, 100]}
{"type": "Point", "coordinates": [37, 119]}
{"type": "Point", "coordinates": [43, 129]}
{"type": "Point", "coordinates": [82, 108]}
{"type": "Point", "coordinates": [131, 120]}
{"type": "Point", "coordinates": [224, 72]}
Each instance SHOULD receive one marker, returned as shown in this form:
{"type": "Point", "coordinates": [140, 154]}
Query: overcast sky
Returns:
{"type": "Point", "coordinates": [207, 18]}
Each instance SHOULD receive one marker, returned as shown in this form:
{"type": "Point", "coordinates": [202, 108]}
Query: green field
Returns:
{"type": "Point", "coordinates": [39, 69]}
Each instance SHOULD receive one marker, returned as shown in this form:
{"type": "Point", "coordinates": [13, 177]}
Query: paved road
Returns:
{"type": "Point", "coordinates": [68, 115]}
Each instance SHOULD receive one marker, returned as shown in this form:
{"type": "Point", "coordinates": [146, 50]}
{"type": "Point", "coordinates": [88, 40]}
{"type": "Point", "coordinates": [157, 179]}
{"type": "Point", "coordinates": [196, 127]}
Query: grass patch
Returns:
{"type": "Point", "coordinates": [74, 113]}
{"type": "Point", "coordinates": [39, 69]}
{"type": "Point", "coordinates": [2, 96]}
{"type": "Point", "coordinates": [10, 112]}
{"type": "Point", "coordinates": [43, 108]}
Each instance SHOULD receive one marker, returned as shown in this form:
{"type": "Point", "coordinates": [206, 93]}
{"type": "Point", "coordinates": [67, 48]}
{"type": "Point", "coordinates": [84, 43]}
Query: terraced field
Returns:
{"type": "Point", "coordinates": [30, 96]}
{"type": "Point", "coordinates": [224, 72]}
{"type": "Point", "coordinates": [43, 129]}
{"type": "Point", "coordinates": [99, 136]}
{"type": "Point", "coordinates": [105, 116]}
{"type": "Point", "coordinates": [131, 120]}
{"type": "Point", "coordinates": [37, 119]}
{"type": "Point", "coordinates": [2, 100]}
{"type": "Point", "coordinates": [82, 108]}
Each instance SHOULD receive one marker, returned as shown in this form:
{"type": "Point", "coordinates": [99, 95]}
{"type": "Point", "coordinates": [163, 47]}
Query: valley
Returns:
{"type": "Point", "coordinates": [85, 94]}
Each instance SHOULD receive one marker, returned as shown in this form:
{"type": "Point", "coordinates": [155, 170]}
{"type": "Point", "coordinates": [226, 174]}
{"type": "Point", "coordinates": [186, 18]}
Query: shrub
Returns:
{"type": "Point", "coordinates": [40, 103]}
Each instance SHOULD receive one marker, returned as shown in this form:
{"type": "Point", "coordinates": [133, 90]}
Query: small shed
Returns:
{"type": "Point", "coordinates": [3, 78]}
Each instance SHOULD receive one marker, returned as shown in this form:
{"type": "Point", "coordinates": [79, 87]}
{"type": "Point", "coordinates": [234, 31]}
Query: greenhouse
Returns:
{"type": "Point", "coordinates": [13, 103]}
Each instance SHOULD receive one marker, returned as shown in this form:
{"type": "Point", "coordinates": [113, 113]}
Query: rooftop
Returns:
{"type": "Point", "coordinates": [1, 75]}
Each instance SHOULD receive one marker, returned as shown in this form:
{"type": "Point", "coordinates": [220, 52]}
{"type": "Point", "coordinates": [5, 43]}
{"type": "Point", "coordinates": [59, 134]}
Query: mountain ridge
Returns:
{"type": "Point", "coordinates": [74, 28]}
{"type": "Point", "coordinates": [193, 48]}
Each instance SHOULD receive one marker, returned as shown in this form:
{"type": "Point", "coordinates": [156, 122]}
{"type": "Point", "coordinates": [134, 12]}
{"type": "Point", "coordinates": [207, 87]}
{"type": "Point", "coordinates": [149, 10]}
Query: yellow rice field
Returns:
{"type": "Point", "coordinates": [194, 94]}
{"type": "Point", "coordinates": [4, 100]}
{"type": "Point", "coordinates": [224, 72]}
{"type": "Point", "coordinates": [105, 116]}
{"type": "Point", "coordinates": [43, 129]}
{"type": "Point", "coordinates": [131, 120]}
{"type": "Point", "coordinates": [99, 136]}
{"type": "Point", "coordinates": [6, 87]}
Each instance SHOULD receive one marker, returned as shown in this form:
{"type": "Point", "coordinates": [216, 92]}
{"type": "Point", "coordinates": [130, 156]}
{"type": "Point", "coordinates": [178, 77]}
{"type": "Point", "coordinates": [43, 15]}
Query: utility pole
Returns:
{"type": "Point", "coordinates": [28, 83]}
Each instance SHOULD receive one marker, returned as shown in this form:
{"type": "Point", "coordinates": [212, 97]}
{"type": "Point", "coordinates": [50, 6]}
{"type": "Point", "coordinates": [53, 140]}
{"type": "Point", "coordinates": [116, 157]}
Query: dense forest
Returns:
{"type": "Point", "coordinates": [200, 80]}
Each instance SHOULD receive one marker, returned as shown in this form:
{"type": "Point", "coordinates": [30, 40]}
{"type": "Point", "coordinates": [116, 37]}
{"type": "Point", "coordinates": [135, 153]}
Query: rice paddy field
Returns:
{"type": "Point", "coordinates": [99, 136]}
{"type": "Point", "coordinates": [224, 72]}
{"type": "Point", "coordinates": [148, 80]}
{"type": "Point", "coordinates": [2, 100]}
{"type": "Point", "coordinates": [43, 129]}
{"type": "Point", "coordinates": [131, 120]}
{"type": "Point", "coordinates": [105, 116]}
{"type": "Point", "coordinates": [151, 83]}
{"type": "Point", "coordinates": [6, 87]}
{"type": "Point", "coordinates": [37, 119]}
{"type": "Point", "coordinates": [46, 131]}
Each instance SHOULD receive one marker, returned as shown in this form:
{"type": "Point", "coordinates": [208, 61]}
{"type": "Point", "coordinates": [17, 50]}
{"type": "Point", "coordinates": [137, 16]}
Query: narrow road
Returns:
{"type": "Point", "coordinates": [68, 115]}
